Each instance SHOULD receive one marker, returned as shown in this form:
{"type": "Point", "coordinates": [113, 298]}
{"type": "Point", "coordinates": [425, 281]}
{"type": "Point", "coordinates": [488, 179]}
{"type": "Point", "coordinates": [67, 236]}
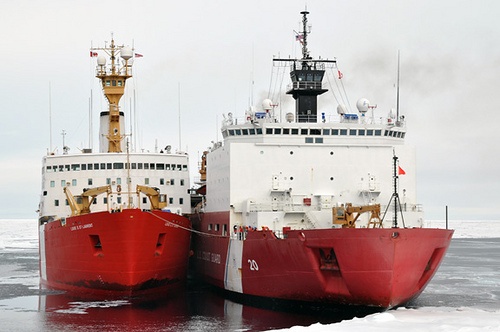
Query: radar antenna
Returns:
{"type": "Point", "coordinates": [305, 51]}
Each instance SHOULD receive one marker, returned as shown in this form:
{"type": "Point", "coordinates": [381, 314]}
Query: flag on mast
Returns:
{"type": "Point", "coordinates": [401, 171]}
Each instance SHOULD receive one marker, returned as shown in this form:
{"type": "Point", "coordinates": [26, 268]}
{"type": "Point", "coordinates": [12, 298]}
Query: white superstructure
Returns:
{"type": "Point", "coordinates": [296, 172]}
{"type": "Point", "coordinates": [168, 172]}
{"type": "Point", "coordinates": [290, 171]}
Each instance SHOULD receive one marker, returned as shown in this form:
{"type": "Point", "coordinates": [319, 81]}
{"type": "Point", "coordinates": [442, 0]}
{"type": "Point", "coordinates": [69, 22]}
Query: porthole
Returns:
{"type": "Point", "coordinates": [331, 153]}
{"type": "Point", "coordinates": [291, 152]}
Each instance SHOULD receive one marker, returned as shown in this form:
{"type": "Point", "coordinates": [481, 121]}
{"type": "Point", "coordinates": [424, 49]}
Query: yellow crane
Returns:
{"type": "Point", "coordinates": [347, 215]}
{"type": "Point", "coordinates": [80, 204]}
{"type": "Point", "coordinates": [158, 201]}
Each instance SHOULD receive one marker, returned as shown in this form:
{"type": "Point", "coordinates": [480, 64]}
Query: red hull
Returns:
{"type": "Point", "coordinates": [126, 253]}
{"type": "Point", "coordinates": [373, 267]}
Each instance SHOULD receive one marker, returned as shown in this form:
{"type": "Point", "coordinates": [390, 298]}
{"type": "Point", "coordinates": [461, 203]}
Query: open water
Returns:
{"type": "Point", "coordinates": [468, 277]}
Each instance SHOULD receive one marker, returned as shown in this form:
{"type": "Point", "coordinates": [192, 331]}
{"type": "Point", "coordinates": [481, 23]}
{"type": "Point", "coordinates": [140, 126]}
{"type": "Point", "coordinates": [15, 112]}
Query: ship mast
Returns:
{"type": "Point", "coordinates": [113, 77]}
{"type": "Point", "coordinates": [307, 76]}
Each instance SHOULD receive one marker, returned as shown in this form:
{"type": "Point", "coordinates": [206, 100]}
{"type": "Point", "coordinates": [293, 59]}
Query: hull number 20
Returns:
{"type": "Point", "coordinates": [253, 265]}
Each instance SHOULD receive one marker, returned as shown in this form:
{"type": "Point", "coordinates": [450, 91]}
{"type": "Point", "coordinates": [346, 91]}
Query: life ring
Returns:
{"type": "Point", "coordinates": [119, 188]}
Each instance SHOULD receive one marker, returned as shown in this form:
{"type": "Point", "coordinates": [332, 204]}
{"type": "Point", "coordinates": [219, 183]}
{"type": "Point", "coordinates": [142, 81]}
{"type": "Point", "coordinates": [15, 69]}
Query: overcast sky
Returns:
{"type": "Point", "coordinates": [213, 50]}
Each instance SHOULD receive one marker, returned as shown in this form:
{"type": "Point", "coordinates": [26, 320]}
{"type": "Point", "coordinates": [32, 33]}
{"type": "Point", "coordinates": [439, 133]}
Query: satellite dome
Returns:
{"type": "Point", "coordinates": [289, 117]}
{"type": "Point", "coordinates": [101, 60]}
{"type": "Point", "coordinates": [126, 53]}
{"type": "Point", "coordinates": [267, 104]}
{"type": "Point", "coordinates": [362, 105]}
{"type": "Point", "coordinates": [341, 109]}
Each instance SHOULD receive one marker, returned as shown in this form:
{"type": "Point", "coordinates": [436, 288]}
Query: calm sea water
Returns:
{"type": "Point", "coordinates": [468, 277]}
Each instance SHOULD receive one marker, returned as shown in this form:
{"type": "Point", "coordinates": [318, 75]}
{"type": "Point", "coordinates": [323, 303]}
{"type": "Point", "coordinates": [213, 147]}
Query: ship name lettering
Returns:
{"type": "Point", "coordinates": [209, 257]}
{"type": "Point", "coordinates": [84, 226]}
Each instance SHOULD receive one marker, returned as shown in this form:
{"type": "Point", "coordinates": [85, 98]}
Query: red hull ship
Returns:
{"type": "Point", "coordinates": [381, 267]}
{"type": "Point", "coordinates": [124, 253]}
{"type": "Point", "coordinates": [291, 207]}
{"type": "Point", "coordinates": [118, 237]}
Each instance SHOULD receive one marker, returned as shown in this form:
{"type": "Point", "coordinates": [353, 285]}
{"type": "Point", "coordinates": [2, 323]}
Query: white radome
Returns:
{"type": "Point", "coordinates": [362, 105]}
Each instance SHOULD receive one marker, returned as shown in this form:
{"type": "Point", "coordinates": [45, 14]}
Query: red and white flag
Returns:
{"type": "Point", "coordinates": [93, 54]}
{"type": "Point", "coordinates": [401, 171]}
{"type": "Point", "coordinates": [137, 55]}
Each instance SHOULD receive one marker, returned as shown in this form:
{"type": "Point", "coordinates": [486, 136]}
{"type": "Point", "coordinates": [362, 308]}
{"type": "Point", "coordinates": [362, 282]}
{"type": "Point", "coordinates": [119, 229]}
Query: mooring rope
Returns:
{"type": "Point", "coordinates": [172, 224]}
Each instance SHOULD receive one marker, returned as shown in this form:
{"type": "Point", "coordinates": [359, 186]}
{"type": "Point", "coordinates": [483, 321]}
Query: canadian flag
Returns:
{"type": "Point", "coordinates": [401, 171]}
{"type": "Point", "coordinates": [93, 54]}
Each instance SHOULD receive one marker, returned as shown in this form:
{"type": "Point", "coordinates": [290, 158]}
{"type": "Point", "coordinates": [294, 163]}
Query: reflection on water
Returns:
{"type": "Point", "coordinates": [189, 309]}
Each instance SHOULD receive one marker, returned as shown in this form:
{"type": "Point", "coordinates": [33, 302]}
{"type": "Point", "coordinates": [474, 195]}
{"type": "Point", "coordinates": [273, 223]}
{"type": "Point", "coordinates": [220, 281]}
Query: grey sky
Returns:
{"type": "Point", "coordinates": [450, 78]}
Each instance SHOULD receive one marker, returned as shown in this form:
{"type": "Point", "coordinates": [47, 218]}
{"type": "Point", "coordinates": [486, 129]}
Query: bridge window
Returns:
{"type": "Point", "coordinates": [314, 132]}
